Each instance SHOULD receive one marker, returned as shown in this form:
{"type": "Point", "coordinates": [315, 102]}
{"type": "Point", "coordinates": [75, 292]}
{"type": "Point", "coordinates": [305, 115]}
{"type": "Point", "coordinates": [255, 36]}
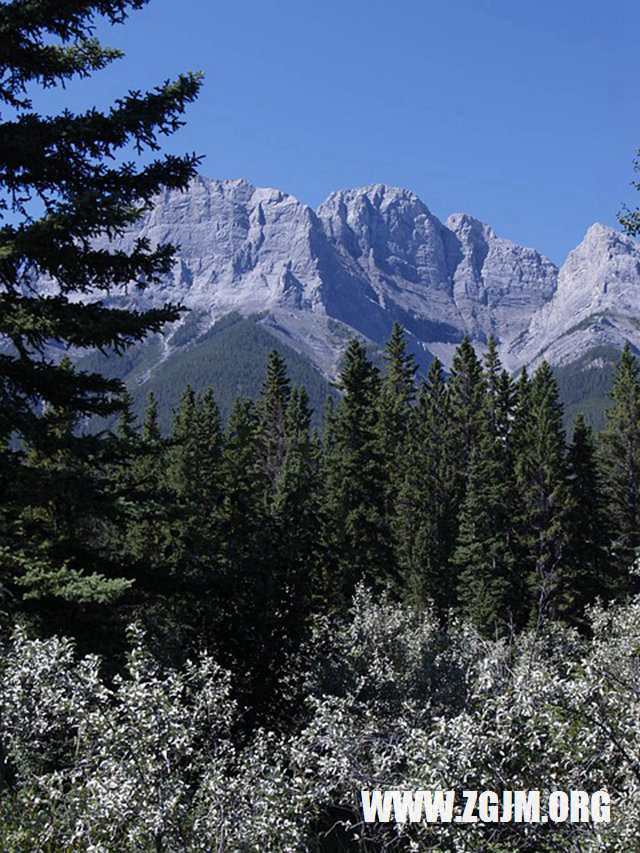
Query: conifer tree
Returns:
{"type": "Point", "coordinates": [465, 389]}
{"type": "Point", "coordinates": [620, 464]}
{"type": "Point", "coordinates": [150, 469]}
{"type": "Point", "coordinates": [260, 583]}
{"type": "Point", "coordinates": [182, 590]}
{"type": "Point", "coordinates": [183, 455]}
{"type": "Point", "coordinates": [242, 519]}
{"type": "Point", "coordinates": [544, 496]}
{"type": "Point", "coordinates": [355, 478]}
{"type": "Point", "coordinates": [521, 426]}
{"type": "Point", "coordinates": [489, 591]}
{"type": "Point", "coordinates": [499, 397]}
{"type": "Point", "coordinates": [209, 435]}
{"type": "Point", "coordinates": [60, 524]}
{"type": "Point", "coordinates": [424, 525]}
{"type": "Point", "coordinates": [398, 389]}
{"type": "Point", "coordinates": [276, 391]}
{"type": "Point", "coordinates": [146, 533]}
{"type": "Point", "coordinates": [295, 550]}
{"type": "Point", "coordinates": [395, 403]}
{"type": "Point", "coordinates": [64, 183]}
{"type": "Point", "coordinates": [193, 460]}
{"type": "Point", "coordinates": [589, 571]}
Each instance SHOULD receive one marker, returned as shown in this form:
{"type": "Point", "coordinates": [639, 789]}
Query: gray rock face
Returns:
{"type": "Point", "coordinates": [497, 285]}
{"type": "Point", "coordinates": [596, 302]}
{"type": "Point", "coordinates": [377, 254]}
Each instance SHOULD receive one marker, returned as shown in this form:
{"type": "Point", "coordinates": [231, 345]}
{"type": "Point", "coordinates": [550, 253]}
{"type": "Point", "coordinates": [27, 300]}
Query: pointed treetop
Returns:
{"type": "Point", "coordinates": [401, 365]}
{"type": "Point", "coordinates": [150, 424]}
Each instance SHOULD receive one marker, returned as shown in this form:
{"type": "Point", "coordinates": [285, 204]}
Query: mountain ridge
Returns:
{"type": "Point", "coordinates": [369, 256]}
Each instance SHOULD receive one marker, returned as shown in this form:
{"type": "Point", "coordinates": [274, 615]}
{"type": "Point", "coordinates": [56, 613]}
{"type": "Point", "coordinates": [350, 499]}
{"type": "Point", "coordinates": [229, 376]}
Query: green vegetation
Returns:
{"type": "Point", "coordinates": [65, 181]}
{"type": "Point", "coordinates": [583, 386]}
{"type": "Point", "coordinates": [462, 495]}
{"type": "Point", "coordinates": [230, 358]}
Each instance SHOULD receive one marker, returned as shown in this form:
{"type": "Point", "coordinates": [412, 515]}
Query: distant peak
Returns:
{"type": "Point", "coordinates": [599, 230]}
{"type": "Point", "coordinates": [241, 187]}
{"type": "Point", "coordinates": [223, 183]}
{"type": "Point", "coordinates": [599, 235]}
{"type": "Point", "coordinates": [464, 223]}
{"type": "Point", "coordinates": [379, 196]}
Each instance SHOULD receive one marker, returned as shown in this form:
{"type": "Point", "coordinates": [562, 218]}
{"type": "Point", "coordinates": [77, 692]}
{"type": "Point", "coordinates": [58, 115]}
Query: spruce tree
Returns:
{"type": "Point", "coordinates": [191, 474]}
{"type": "Point", "coordinates": [145, 539]}
{"type": "Point", "coordinates": [355, 476]}
{"type": "Point", "coordinates": [620, 464]}
{"type": "Point", "coordinates": [183, 456]}
{"type": "Point", "coordinates": [397, 394]}
{"type": "Point", "coordinates": [590, 574]}
{"type": "Point", "coordinates": [465, 389]}
{"type": "Point", "coordinates": [275, 394]}
{"type": "Point", "coordinates": [295, 552]}
{"type": "Point", "coordinates": [543, 493]}
{"type": "Point", "coordinates": [184, 588]}
{"type": "Point", "coordinates": [424, 524]}
{"type": "Point", "coordinates": [209, 435]}
{"type": "Point", "coordinates": [61, 525]}
{"type": "Point", "coordinates": [398, 386]}
{"type": "Point", "coordinates": [261, 595]}
{"type": "Point", "coordinates": [66, 181]}
{"type": "Point", "coordinates": [242, 516]}
{"type": "Point", "coordinates": [489, 591]}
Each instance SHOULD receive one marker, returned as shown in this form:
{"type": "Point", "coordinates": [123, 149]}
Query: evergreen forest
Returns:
{"type": "Point", "coordinates": [457, 494]}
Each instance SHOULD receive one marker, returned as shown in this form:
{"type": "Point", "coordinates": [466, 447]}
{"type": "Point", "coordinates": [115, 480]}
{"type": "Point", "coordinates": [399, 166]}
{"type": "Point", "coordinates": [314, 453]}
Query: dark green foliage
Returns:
{"type": "Point", "coordinates": [398, 387]}
{"type": "Point", "coordinates": [240, 508]}
{"type": "Point", "coordinates": [230, 357]}
{"type": "Point", "coordinates": [193, 471]}
{"type": "Point", "coordinates": [490, 590]}
{"type": "Point", "coordinates": [145, 534]}
{"type": "Point", "coordinates": [63, 184]}
{"type": "Point", "coordinates": [620, 461]}
{"type": "Point", "coordinates": [60, 573]}
{"type": "Point", "coordinates": [425, 520]}
{"type": "Point", "coordinates": [355, 480]}
{"type": "Point", "coordinates": [583, 386]}
{"type": "Point", "coordinates": [465, 390]}
{"type": "Point", "coordinates": [590, 573]}
{"type": "Point", "coordinates": [276, 391]}
{"type": "Point", "coordinates": [263, 570]}
{"type": "Point", "coordinates": [183, 587]}
{"type": "Point", "coordinates": [544, 496]}
{"type": "Point", "coordinates": [296, 556]}
{"type": "Point", "coordinates": [397, 394]}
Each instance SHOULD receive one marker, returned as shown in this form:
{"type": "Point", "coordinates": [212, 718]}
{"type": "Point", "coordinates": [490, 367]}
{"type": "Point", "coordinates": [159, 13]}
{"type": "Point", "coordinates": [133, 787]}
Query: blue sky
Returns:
{"type": "Point", "coordinates": [523, 114]}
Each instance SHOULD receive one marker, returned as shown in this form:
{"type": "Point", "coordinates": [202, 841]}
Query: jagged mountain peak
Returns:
{"type": "Point", "coordinates": [378, 196]}
{"type": "Point", "coordinates": [463, 224]}
{"type": "Point", "coordinates": [595, 304]}
{"type": "Point", "coordinates": [375, 254]}
{"type": "Point", "coordinates": [604, 240]}
{"type": "Point", "coordinates": [210, 192]}
{"type": "Point", "coordinates": [603, 257]}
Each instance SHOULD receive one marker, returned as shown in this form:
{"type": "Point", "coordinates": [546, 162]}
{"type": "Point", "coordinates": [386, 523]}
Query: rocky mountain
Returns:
{"type": "Point", "coordinates": [370, 256]}
{"type": "Point", "coordinates": [596, 302]}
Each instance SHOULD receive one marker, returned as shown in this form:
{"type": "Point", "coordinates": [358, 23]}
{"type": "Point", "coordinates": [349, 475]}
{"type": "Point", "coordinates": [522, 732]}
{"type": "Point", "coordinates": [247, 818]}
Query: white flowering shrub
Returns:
{"type": "Point", "coordinates": [548, 711]}
{"type": "Point", "coordinates": [45, 694]}
{"type": "Point", "coordinates": [154, 761]}
{"type": "Point", "coordinates": [129, 758]}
